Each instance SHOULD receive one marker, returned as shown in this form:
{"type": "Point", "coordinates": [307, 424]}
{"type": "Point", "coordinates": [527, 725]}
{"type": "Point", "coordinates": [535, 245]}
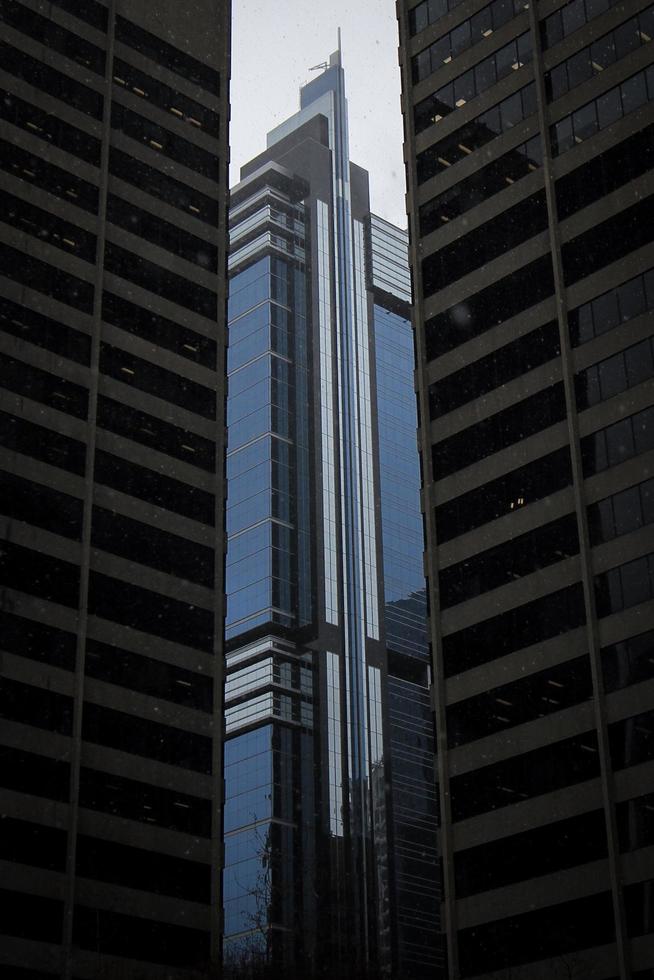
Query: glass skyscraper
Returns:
{"type": "Point", "coordinates": [330, 846]}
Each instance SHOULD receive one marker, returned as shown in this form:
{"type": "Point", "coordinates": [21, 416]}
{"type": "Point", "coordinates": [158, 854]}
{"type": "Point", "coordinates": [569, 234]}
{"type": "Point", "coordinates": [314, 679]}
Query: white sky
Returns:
{"type": "Point", "coordinates": [275, 42]}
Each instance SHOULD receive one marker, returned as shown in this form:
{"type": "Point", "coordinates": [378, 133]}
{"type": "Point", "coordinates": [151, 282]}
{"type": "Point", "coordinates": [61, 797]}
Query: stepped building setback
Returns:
{"type": "Point", "coordinates": [331, 868]}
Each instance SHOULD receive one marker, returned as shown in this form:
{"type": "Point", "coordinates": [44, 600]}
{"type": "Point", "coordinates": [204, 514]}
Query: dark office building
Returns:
{"type": "Point", "coordinates": [112, 301]}
{"type": "Point", "coordinates": [529, 147]}
{"type": "Point", "coordinates": [330, 806]}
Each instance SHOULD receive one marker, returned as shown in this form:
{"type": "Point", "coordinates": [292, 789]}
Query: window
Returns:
{"type": "Point", "coordinates": [54, 83]}
{"type": "Point", "coordinates": [165, 54]}
{"type": "Point", "coordinates": [33, 843]}
{"type": "Point", "coordinates": [508, 362]}
{"type": "Point", "coordinates": [34, 503]}
{"type": "Point", "coordinates": [477, 133]}
{"type": "Point", "coordinates": [625, 586]}
{"type": "Point", "coordinates": [477, 442]}
{"type": "Point", "coordinates": [152, 547]}
{"type": "Point", "coordinates": [38, 574]}
{"type": "Point", "coordinates": [47, 227]}
{"type": "Point", "coordinates": [516, 489]}
{"type": "Point", "coordinates": [638, 911]}
{"type": "Point", "coordinates": [48, 127]}
{"type": "Point", "coordinates": [35, 170]}
{"type": "Point", "coordinates": [544, 770]}
{"type": "Point", "coordinates": [152, 677]}
{"type": "Point", "coordinates": [135, 800]}
{"type": "Point", "coordinates": [41, 386]}
{"type": "Point", "coordinates": [31, 916]}
{"type": "Point", "coordinates": [615, 374]}
{"type": "Point", "coordinates": [163, 141]}
{"type": "Point", "coordinates": [618, 442]}
{"type": "Point", "coordinates": [162, 233]}
{"type": "Point", "coordinates": [608, 241]}
{"type": "Point", "coordinates": [37, 775]}
{"type": "Point", "coordinates": [36, 706]}
{"type": "Point", "coordinates": [159, 330]}
{"type": "Point", "coordinates": [631, 299]}
{"type": "Point", "coordinates": [51, 35]}
{"type": "Point", "coordinates": [164, 187]}
{"type": "Point", "coordinates": [541, 851]}
{"type": "Point", "coordinates": [157, 381]}
{"type": "Point", "coordinates": [555, 930]}
{"type": "Point", "coordinates": [490, 240]}
{"type": "Point", "coordinates": [594, 58]}
{"type": "Point", "coordinates": [49, 334]}
{"type": "Point", "coordinates": [636, 822]}
{"type": "Point", "coordinates": [178, 289]}
{"type": "Point", "coordinates": [628, 662]}
{"type": "Point", "coordinates": [465, 87]}
{"type": "Point", "coordinates": [166, 98]}
{"type": "Point", "coordinates": [621, 513]}
{"type": "Point", "coordinates": [112, 933]}
{"type": "Point", "coordinates": [631, 741]}
{"type": "Point", "coordinates": [150, 612]}
{"type": "Point", "coordinates": [485, 309]}
{"type": "Point", "coordinates": [134, 867]}
{"type": "Point", "coordinates": [605, 173]}
{"type": "Point", "coordinates": [45, 278]}
{"type": "Point", "coordinates": [522, 626]}
{"type": "Point", "coordinates": [602, 112]}
{"type": "Point", "coordinates": [536, 696]}
{"type": "Point", "coordinates": [428, 12]}
{"type": "Point", "coordinates": [484, 183]}
{"type": "Point", "coordinates": [507, 562]}
{"type": "Point", "coordinates": [149, 739]}
{"type": "Point", "coordinates": [488, 19]}
{"type": "Point", "coordinates": [569, 18]}
{"type": "Point", "coordinates": [150, 431]}
{"type": "Point", "coordinates": [510, 57]}
{"type": "Point", "coordinates": [146, 484]}
{"type": "Point", "coordinates": [36, 441]}
{"type": "Point", "coordinates": [91, 11]}
{"type": "Point", "coordinates": [28, 638]}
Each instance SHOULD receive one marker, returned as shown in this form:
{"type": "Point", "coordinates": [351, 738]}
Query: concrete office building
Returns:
{"type": "Point", "coordinates": [330, 807]}
{"type": "Point", "coordinates": [529, 148]}
{"type": "Point", "coordinates": [112, 300]}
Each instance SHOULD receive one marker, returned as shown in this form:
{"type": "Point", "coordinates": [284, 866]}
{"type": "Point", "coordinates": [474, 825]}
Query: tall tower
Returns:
{"type": "Point", "coordinates": [309, 874]}
{"type": "Point", "coordinates": [112, 302]}
{"type": "Point", "coordinates": [529, 148]}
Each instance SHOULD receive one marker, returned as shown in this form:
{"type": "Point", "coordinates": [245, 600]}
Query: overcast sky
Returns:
{"type": "Point", "coordinates": [275, 43]}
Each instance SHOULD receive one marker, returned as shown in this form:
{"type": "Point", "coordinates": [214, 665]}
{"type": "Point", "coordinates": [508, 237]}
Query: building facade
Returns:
{"type": "Point", "coordinates": [112, 304]}
{"type": "Point", "coordinates": [324, 855]}
{"type": "Point", "coordinates": [529, 147]}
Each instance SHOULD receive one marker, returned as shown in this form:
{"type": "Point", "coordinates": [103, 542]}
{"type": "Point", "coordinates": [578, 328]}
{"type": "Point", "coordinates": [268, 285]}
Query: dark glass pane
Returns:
{"type": "Point", "coordinates": [151, 612]}
{"type": "Point", "coordinates": [134, 867]}
{"type": "Point", "coordinates": [145, 738]}
{"type": "Point", "coordinates": [609, 108]}
{"type": "Point", "coordinates": [37, 775]}
{"type": "Point", "coordinates": [133, 800]}
{"type": "Point", "coordinates": [112, 933]}
{"type": "Point", "coordinates": [584, 122]}
{"type": "Point", "coordinates": [573, 15]}
{"type": "Point", "coordinates": [28, 638]}
{"type": "Point", "coordinates": [634, 93]}
{"type": "Point", "coordinates": [168, 55]}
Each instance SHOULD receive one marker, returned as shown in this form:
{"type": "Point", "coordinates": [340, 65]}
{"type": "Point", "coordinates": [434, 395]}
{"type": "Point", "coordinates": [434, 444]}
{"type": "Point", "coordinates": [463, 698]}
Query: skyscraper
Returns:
{"type": "Point", "coordinates": [112, 299]}
{"type": "Point", "coordinates": [529, 149]}
{"type": "Point", "coordinates": [330, 866]}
